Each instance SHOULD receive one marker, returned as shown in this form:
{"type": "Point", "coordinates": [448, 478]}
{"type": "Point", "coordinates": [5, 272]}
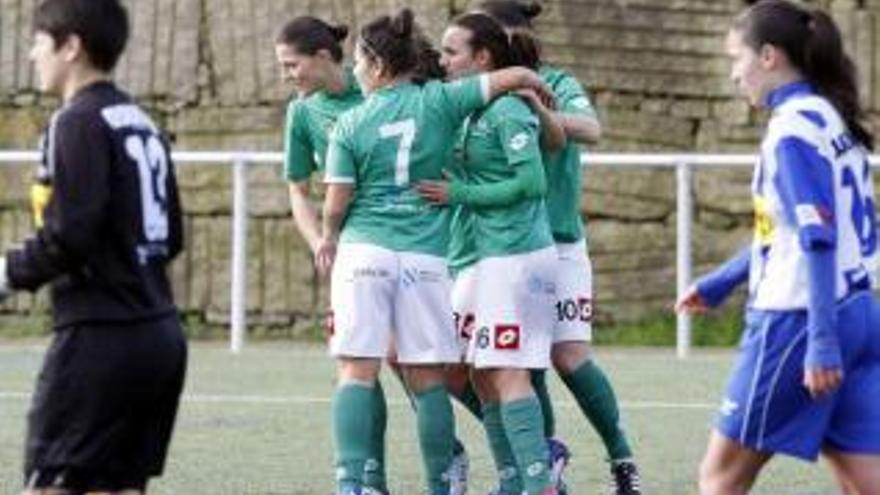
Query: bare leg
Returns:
{"type": "Point", "coordinates": [728, 468]}
{"type": "Point", "coordinates": [857, 474]}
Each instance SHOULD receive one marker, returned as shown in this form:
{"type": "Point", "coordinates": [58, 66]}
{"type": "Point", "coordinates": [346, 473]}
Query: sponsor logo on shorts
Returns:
{"type": "Point", "coordinates": [728, 407]}
{"type": "Point", "coordinates": [370, 272]}
{"type": "Point", "coordinates": [412, 276]}
{"type": "Point", "coordinates": [537, 285]}
{"type": "Point", "coordinates": [507, 337]}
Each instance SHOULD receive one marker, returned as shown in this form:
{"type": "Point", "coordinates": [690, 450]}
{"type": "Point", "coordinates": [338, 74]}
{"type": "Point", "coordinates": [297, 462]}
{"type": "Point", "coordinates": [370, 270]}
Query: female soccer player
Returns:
{"type": "Point", "coordinates": [502, 251]}
{"type": "Point", "coordinates": [390, 276]}
{"type": "Point", "coordinates": [106, 399]}
{"type": "Point", "coordinates": [309, 53]}
{"type": "Point", "coordinates": [808, 374]}
{"type": "Point", "coordinates": [573, 331]}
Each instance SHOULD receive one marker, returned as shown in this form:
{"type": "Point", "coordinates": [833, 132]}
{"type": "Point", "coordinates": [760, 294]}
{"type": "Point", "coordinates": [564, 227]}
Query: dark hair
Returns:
{"type": "Point", "coordinates": [812, 44]}
{"type": "Point", "coordinates": [393, 40]}
{"type": "Point", "coordinates": [101, 25]}
{"type": "Point", "coordinates": [516, 18]}
{"type": "Point", "coordinates": [309, 34]}
{"type": "Point", "coordinates": [487, 34]}
{"type": "Point", "coordinates": [510, 13]}
{"type": "Point", "coordinates": [428, 66]}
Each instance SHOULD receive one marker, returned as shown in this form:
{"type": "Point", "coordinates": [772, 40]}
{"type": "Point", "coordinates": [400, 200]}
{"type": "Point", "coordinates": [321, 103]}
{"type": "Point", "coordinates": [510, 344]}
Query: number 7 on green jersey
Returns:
{"type": "Point", "coordinates": [406, 130]}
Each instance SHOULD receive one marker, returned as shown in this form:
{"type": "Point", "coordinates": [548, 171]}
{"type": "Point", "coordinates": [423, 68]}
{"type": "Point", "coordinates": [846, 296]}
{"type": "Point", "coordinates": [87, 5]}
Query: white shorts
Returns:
{"type": "Point", "coordinates": [514, 311]}
{"type": "Point", "coordinates": [574, 294]}
{"type": "Point", "coordinates": [378, 295]}
{"type": "Point", "coordinates": [464, 301]}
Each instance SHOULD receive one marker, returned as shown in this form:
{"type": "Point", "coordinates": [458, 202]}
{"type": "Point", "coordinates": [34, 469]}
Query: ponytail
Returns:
{"type": "Point", "coordinates": [511, 13]}
{"type": "Point", "coordinates": [833, 73]}
{"type": "Point", "coordinates": [516, 18]}
{"type": "Point", "coordinates": [526, 48]}
{"type": "Point", "coordinates": [812, 43]}
{"type": "Point", "coordinates": [395, 41]}
{"type": "Point", "coordinates": [428, 66]}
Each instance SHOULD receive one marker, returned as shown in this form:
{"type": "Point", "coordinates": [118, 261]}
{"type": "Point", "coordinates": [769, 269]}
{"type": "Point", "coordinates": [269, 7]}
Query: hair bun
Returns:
{"type": "Point", "coordinates": [532, 9]}
{"type": "Point", "coordinates": [402, 23]}
{"type": "Point", "coordinates": [339, 32]}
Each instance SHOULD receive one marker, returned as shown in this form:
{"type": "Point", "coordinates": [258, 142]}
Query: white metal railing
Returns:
{"type": "Point", "coordinates": [683, 163]}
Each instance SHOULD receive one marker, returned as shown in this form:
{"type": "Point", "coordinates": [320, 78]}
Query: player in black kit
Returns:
{"type": "Point", "coordinates": [108, 223]}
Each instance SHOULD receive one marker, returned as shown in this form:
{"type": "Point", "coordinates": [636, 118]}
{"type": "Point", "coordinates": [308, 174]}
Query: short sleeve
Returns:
{"type": "Point", "coordinates": [805, 180]}
{"type": "Point", "coordinates": [572, 98]}
{"type": "Point", "coordinates": [518, 132]}
{"type": "Point", "coordinates": [299, 161]}
{"type": "Point", "coordinates": [341, 167]}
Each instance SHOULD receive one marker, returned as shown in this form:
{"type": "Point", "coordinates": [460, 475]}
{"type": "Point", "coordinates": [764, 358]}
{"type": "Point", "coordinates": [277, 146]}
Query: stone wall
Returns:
{"type": "Point", "coordinates": [206, 71]}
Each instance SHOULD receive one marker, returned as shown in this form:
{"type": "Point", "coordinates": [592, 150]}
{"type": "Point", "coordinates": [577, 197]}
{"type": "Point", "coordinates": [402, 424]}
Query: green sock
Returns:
{"type": "Point", "coordinates": [374, 469]}
{"type": "Point", "coordinates": [471, 401]}
{"type": "Point", "coordinates": [523, 425]}
{"type": "Point", "coordinates": [539, 383]}
{"type": "Point", "coordinates": [505, 463]}
{"type": "Point", "coordinates": [436, 426]}
{"type": "Point", "coordinates": [353, 413]}
{"type": "Point", "coordinates": [594, 395]}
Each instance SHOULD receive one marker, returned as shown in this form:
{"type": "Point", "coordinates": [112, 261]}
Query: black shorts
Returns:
{"type": "Point", "coordinates": [104, 406]}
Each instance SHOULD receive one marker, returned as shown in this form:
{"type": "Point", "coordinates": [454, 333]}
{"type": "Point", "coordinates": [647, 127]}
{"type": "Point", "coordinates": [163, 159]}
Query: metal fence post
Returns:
{"type": "Point", "coordinates": [684, 222]}
{"type": "Point", "coordinates": [238, 323]}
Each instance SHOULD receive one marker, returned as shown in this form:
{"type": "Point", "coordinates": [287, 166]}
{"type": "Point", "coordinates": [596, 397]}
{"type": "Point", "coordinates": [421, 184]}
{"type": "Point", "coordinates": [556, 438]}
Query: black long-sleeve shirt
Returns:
{"type": "Point", "coordinates": [113, 221]}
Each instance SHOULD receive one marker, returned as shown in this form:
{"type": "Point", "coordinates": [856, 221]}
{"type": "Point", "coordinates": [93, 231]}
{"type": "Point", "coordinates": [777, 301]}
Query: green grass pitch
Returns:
{"type": "Point", "coordinates": [258, 423]}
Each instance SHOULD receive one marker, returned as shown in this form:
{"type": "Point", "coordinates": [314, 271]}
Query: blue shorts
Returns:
{"type": "Point", "coordinates": [768, 409]}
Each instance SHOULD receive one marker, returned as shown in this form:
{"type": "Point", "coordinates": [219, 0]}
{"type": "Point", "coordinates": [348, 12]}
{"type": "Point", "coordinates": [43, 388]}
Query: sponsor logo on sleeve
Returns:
{"type": "Point", "coordinates": [581, 103]}
{"type": "Point", "coordinates": [808, 214]}
{"type": "Point", "coordinates": [519, 141]}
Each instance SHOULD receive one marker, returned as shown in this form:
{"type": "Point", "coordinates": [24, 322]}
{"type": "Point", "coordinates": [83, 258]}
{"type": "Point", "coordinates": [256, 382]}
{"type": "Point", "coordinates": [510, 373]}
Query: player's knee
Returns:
{"type": "Point", "coordinates": [714, 480]}
{"type": "Point", "coordinates": [421, 378]}
{"type": "Point", "coordinates": [358, 370]}
{"type": "Point", "coordinates": [567, 357]}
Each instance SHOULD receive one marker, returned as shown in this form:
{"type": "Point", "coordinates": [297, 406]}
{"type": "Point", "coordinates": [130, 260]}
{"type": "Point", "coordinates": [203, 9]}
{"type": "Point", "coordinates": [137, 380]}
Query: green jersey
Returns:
{"type": "Point", "coordinates": [399, 136]}
{"type": "Point", "coordinates": [563, 168]}
{"type": "Point", "coordinates": [307, 127]}
{"type": "Point", "coordinates": [462, 245]}
{"type": "Point", "coordinates": [494, 144]}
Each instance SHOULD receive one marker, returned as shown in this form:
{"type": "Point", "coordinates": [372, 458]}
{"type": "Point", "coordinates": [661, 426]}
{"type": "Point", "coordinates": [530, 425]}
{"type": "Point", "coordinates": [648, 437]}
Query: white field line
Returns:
{"type": "Point", "coordinates": [305, 400]}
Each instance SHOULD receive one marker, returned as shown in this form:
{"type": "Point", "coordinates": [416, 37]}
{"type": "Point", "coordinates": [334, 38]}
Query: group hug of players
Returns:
{"type": "Point", "coordinates": [452, 238]}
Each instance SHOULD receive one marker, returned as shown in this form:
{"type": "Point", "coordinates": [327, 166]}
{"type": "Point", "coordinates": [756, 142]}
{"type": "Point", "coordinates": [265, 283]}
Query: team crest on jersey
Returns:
{"type": "Point", "coordinates": [764, 228]}
{"type": "Point", "coordinates": [519, 141]}
{"type": "Point", "coordinates": [507, 337]}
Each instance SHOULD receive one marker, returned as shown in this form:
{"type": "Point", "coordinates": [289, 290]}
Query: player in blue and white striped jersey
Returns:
{"type": "Point", "coordinates": [808, 375]}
